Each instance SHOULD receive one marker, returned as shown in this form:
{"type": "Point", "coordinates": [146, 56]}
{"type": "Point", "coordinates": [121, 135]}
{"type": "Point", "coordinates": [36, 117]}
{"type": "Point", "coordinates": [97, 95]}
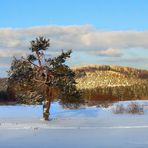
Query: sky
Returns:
{"type": "Point", "coordinates": [111, 32]}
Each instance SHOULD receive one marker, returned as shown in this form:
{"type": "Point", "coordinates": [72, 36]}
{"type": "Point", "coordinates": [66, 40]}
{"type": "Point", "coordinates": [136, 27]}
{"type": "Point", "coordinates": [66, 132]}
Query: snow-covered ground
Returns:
{"type": "Point", "coordinates": [88, 127]}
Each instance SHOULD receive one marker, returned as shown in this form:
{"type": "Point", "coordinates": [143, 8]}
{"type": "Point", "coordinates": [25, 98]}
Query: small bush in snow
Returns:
{"type": "Point", "coordinates": [132, 108]}
{"type": "Point", "coordinates": [135, 108]}
{"type": "Point", "coordinates": [119, 109]}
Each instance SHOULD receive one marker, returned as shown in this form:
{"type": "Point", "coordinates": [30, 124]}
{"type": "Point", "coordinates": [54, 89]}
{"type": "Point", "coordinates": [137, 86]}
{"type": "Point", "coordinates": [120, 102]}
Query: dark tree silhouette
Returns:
{"type": "Point", "coordinates": [45, 76]}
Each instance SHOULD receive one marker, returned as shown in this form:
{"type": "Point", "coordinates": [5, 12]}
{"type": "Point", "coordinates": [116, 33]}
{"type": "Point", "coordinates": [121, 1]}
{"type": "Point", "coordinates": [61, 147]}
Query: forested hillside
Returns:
{"type": "Point", "coordinates": [112, 82]}
{"type": "Point", "coordinates": [99, 83]}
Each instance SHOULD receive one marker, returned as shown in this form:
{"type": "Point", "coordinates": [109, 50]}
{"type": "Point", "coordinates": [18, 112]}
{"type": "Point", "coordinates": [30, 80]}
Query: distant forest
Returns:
{"type": "Point", "coordinates": [6, 94]}
{"type": "Point", "coordinates": [96, 82]}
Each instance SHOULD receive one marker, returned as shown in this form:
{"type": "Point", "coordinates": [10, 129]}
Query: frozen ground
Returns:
{"type": "Point", "coordinates": [88, 127]}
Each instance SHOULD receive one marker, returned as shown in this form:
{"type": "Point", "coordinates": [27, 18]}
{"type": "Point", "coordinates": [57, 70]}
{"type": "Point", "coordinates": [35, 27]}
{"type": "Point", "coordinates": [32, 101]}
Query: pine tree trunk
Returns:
{"type": "Point", "coordinates": [47, 103]}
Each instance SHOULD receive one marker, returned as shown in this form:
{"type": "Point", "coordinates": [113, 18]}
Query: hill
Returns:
{"type": "Point", "coordinates": [101, 83]}
{"type": "Point", "coordinates": [6, 93]}
{"type": "Point", "coordinates": [3, 84]}
{"type": "Point", "coordinates": [112, 82]}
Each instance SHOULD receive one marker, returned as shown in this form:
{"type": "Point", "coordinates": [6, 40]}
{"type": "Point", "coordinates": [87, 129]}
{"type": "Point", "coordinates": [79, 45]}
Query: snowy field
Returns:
{"type": "Point", "coordinates": [88, 127]}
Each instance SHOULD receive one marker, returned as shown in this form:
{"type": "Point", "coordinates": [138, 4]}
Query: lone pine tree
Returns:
{"type": "Point", "coordinates": [45, 76]}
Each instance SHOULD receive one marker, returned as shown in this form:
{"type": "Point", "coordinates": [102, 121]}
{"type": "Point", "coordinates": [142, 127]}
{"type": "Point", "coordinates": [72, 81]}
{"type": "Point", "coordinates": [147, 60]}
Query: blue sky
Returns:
{"type": "Point", "coordinates": [99, 31]}
{"type": "Point", "coordinates": [103, 14]}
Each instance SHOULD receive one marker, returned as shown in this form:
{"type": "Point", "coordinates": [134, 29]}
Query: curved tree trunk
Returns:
{"type": "Point", "coordinates": [47, 103]}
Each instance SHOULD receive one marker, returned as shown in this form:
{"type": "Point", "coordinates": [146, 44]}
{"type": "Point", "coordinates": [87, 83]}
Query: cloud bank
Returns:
{"type": "Point", "coordinates": [79, 38]}
{"type": "Point", "coordinates": [111, 45]}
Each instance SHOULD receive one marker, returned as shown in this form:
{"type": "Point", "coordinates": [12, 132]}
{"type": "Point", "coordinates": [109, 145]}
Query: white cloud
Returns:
{"type": "Point", "coordinates": [115, 52]}
{"type": "Point", "coordinates": [85, 38]}
{"type": "Point", "coordinates": [11, 53]}
{"type": "Point", "coordinates": [110, 44]}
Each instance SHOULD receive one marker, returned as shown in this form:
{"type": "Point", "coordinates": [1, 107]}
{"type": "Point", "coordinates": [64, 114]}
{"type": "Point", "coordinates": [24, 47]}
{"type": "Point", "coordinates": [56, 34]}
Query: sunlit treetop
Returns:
{"type": "Point", "coordinates": [40, 43]}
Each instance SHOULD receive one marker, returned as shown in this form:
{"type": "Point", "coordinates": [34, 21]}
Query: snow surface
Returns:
{"type": "Point", "coordinates": [87, 127]}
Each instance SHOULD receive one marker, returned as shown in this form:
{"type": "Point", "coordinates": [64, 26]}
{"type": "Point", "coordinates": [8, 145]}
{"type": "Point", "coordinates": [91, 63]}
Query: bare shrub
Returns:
{"type": "Point", "coordinates": [132, 108]}
{"type": "Point", "coordinates": [118, 109]}
{"type": "Point", "coordinates": [135, 108]}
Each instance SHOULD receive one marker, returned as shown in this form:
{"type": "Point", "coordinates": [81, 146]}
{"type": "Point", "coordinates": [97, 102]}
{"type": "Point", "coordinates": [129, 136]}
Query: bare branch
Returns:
{"type": "Point", "coordinates": [30, 62]}
{"type": "Point", "coordinates": [39, 81]}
